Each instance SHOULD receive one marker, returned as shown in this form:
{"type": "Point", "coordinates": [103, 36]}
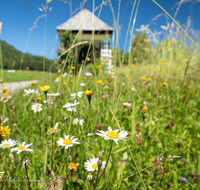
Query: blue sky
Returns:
{"type": "Point", "coordinates": [17, 20]}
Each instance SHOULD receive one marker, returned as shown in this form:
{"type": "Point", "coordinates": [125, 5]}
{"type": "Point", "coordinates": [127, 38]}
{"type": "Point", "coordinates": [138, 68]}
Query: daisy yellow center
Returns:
{"type": "Point", "coordinates": [95, 166]}
{"type": "Point", "coordinates": [37, 108]}
{"type": "Point", "coordinates": [67, 141]}
{"type": "Point", "coordinates": [5, 145]}
{"type": "Point", "coordinates": [21, 147]}
{"type": "Point", "coordinates": [52, 130]}
{"type": "Point", "coordinates": [113, 134]}
{"type": "Point", "coordinates": [79, 123]}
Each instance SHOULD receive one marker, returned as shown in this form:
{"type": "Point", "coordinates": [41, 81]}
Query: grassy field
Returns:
{"type": "Point", "coordinates": [136, 128]}
{"type": "Point", "coordinates": [22, 75]}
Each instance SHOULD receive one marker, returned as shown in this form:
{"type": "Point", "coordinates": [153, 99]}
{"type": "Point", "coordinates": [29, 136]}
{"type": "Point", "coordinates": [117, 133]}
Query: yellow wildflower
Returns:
{"type": "Point", "coordinates": [82, 61]}
{"type": "Point", "coordinates": [4, 131]}
{"type": "Point", "coordinates": [99, 66]}
{"type": "Point", "coordinates": [4, 82]}
{"type": "Point", "coordinates": [71, 72]}
{"type": "Point", "coordinates": [88, 92]}
{"type": "Point", "coordinates": [144, 109]}
{"type": "Point", "coordinates": [73, 167]}
{"type": "Point", "coordinates": [58, 78]}
{"type": "Point", "coordinates": [73, 67]}
{"type": "Point", "coordinates": [160, 63]}
{"type": "Point", "coordinates": [6, 95]}
{"type": "Point", "coordinates": [164, 83]}
{"type": "Point", "coordinates": [99, 82]}
{"type": "Point", "coordinates": [44, 88]}
{"type": "Point", "coordinates": [149, 79]}
{"type": "Point", "coordinates": [144, 78]}
{"type": "Point", "coordinates": [38, 98]}
{"type": "Point", "coordinates": [105, 61]}
{"type": "Point", "coordinates": [132, 65]}
{"type": "Point", "coordinates": [64, 83]}
{"type": "Point", "coordinates": [88, 59]}
{"type": "Point", "coordinates": [4, 89]}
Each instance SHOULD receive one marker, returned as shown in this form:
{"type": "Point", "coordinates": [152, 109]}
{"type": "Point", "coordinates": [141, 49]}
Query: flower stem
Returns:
{"type": "Point", "coordinates": [105, 166]}
{"type": "Point", "coordinates": [51, 153]}
{"type": "Point", "coordinates": [29, 185]}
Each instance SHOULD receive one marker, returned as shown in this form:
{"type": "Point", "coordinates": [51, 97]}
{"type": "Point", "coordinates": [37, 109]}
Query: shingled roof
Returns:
{"type": "Point", "coordinates": [84, 20]}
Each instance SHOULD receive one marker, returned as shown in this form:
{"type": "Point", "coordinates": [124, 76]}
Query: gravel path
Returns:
{"type": "Point", "coordinates": [13, 86]}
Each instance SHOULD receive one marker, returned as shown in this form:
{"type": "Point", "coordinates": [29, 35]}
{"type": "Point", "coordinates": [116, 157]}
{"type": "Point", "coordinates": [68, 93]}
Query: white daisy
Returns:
{"type": "Point", "coordinates": [31, 91]}
{"type": "Point", "coordinates": [71, 106]}
{"type": "Point", "coordinates": [68, 141]}
{"type": "Point", "coordinates": [45, 101]}
{"type": "Point", "coordinates": [113, 134]}
{"type": "Point", "coordinates": [53, 129]}
{"type": "Point", "coordinates": [133, 89]}
{"type": "Point", "coordinates": [53, 94]}
{"type": "Point", "coordinates": [82, 84]}
{"type": "Point", "coordinates": [8, 143]}
{"type": "Point", "coordinates": [22, 147]}
{"type": "Point", "coordinates": [91, 164]}
{"type": "Point", "coordinates": [64, 75]}
{"type": "Point", "coordinates": [1, 174]}
{"type": "Point", "coordinates": [79, 94]}
{"type": "Point", "coordinates": [88, 74]}
{"type": "Point", "coordinates": [37, 107]}
{"type": "Point", "coordinates": [127, 104]}
{"type": "Point", "coordinates": [78, 121]}
{"type": "Point", "coordinates": [57, 80]}
{"type": "Point", "coordinates": [90, 134]}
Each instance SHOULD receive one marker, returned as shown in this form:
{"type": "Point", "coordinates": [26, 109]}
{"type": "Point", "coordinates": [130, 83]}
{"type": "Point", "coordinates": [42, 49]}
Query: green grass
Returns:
{"type": "Point", "coordinates": [23, 75]}
{"type": "Point", "coordinates": [163, 138]}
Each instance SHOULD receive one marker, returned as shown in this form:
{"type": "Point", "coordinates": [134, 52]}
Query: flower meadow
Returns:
{"type": "Point", "coordinates": [118, 134]}
{"type": "Point", "coordinates": [136, 127]}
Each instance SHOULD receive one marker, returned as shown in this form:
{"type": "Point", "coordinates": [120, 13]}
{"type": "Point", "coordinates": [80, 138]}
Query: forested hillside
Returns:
{"type": "Point", "coordinates": [12, 58]}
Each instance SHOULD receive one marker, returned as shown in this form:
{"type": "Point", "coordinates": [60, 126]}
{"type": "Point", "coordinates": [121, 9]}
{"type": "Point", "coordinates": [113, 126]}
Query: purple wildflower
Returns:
{"type": "Point", "coordinates": [184, 180]}
{"type": "Point", "coordinates": [172, 123]}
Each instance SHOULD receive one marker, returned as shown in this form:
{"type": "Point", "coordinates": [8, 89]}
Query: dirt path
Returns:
{"type": "Point", "coordinates": [13, 86]}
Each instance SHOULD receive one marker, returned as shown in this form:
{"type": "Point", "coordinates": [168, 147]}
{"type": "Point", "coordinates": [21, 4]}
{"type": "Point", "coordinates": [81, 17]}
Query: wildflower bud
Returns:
{"type": "Point", "coordinates": [49, 118]}
{"type": "Point", "coordinates": [197, 176]}
{"type": "Point", "coordinates": [62, 95]}
{"type": "Point", "coordinates": [74, 177]}
{"type": "Point", "coordinates": [100, 155]}
{"type": "Point", "coordinates": [192, 175]}
{"type": "Point", "coordinates": [168, 186]}
{"type": "Point", "coordinates": [168, 126]}
{"type": "Point", "coordinates": [179, 166]}
{"type": "Point", "coordinates": [172, 123]}
{"type": "Point", "coordinates": [99, 163]}
{"type": "Point", "coordinates": [178, 144]}
{"type": "Point", "coordinates": [167, 170]}
{"type": "Point", "coordinates": [161, 172]}
{"type": "Point", "coordinates": [155, 142]}
{"type": "Point", "coordinates": [76, 154]}
{"type": "Point", "coordinates": [137, 128]}
{"type": "Point", "coordinates": [98, 127]}
{"type": "Point", "coordinates": [149, 136]}
{"type": "Point", "coordinates": [89, 177]}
